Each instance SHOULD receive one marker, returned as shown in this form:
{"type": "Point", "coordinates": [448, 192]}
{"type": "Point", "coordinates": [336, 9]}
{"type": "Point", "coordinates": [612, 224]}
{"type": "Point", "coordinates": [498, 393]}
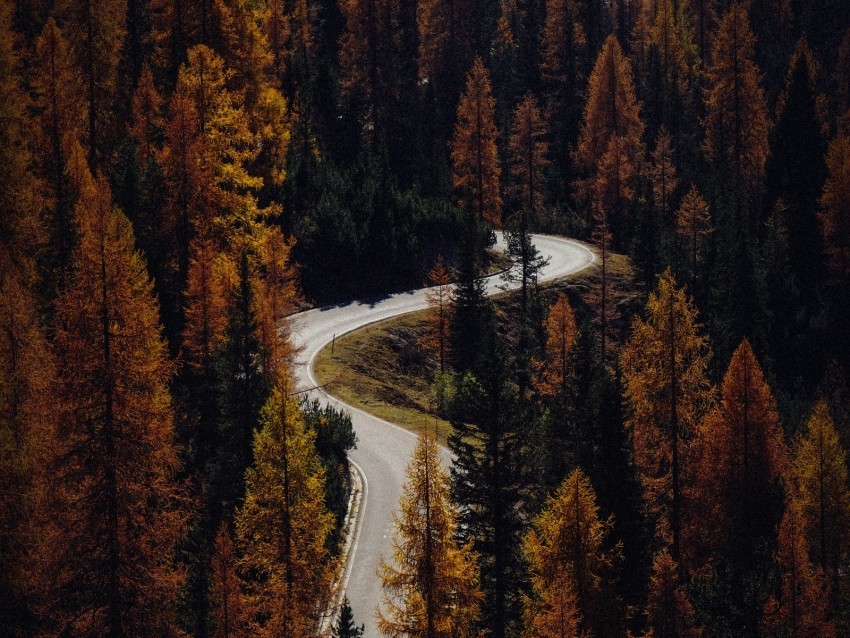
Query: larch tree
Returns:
{"type": "Point", "coordinates": [835, 205]}
{"type": "Point", "coordinates": [612, 109]}
{"type": "Point", "coordinates": [667, 392]}
{"type": "Point", "coordinates": [283, 526]}
{"type": "Point", "coordinates": [96, 32]}
{"type": "Point", "coordinates": [476, 171]}
{"type": "Point", "coordinates": [693, 226]}
{"type": "Point", "coordinates": [27, 421]}
{"type": "Point", "coordinates": [118, 508]}
{"type": "Point", "coordinates": [229, 607]}
{"type": "Point", "coordinates": [566, 553]}
{"type": "Point", "coordinates": [669, 613]}
{"type": "Point", "coordinates": [561, 333]}
{"type": "Point", "coordinates": [439, 299]}
{"type": "Point", "coordinates": [663, 174]}
{"type": "Point", "coordinates": [823, 494]}
{"type": "Point", "coordinates": [147, 125]}
{"type": "Point", "coordinates": [277, 296]}
{"type": "Point", "coordinates": [801, 607]}
{"type": "Point", "coordinates": [563, 48]}
{"type": "Point", "coordinates": [703, 16]}
{"type": "Point", "coordinates": [431, 585]}
{"type": "Point", "coordinates": [740, 463]}
{"type": "Point", "coordinates": [736, 121]}
{"type": "Point", "coordinates": [528, 153]}
{"type": "Point", "coordinates": [59, 121]}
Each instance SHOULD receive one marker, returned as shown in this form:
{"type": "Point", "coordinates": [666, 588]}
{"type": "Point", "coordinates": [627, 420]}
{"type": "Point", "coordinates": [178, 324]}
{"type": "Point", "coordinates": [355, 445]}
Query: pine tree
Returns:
{"type": "Point", "coordinates": [147, 124]}
{"type": "Point", "coordinates": [345, 627]}
{"type": "Point", "coordinates": [663, 174]}
{"type": "Point", "coordinates": [566, 551]}
{"type": "Point", "coordinates": [795, 170]}
{"type": "Point", "coordinates": [118, 507]}
{"type": "Point", "coordinates": [667, 392]}
{"type": "Point", "coordinates": [703, 16]}
{"type": "Point", "coordinates": [668, 610]}
{"type": "Point", "coordinates": [823, 494]}
{"type": "Point", "coordinates": [835, 204]}
{"type": "Point", "coordinates": [431, 586]}
{"type": "Point", "coordinates": [476, 171]}
{"type": "Point", "coordinates": [600, 299]}
{"type": "Point", "coordinates": [96, 31]}
{"type": "Point", "coordinates": [283, 526]}
{"type": "Point", "coordinates": [800, 609]}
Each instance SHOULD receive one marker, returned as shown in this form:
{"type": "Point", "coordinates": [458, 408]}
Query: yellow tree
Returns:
{"type": "Point", "coordinates": [565, 551]}
{"type": "Point", "coordinates": [553, 611]}
{"type": "Point", "coordinates": [118, 508]}
{"type": "Point", "coordinates": [440, 302]}
{"type": "Point", "coordinates": [669, 613]}
{"type": "Point", "coordinates": [823, 494]}
{"type": "Point", "coordinates": [277, 296]}
{"type": "Point", "coordinates": [612, 108]}
{"type": "Point", "coordinates": [554, 373]}
{"type": "Point", "coordinates": [667, 392]}
{"type": "Point", "coordinates": [736, 121]}
{"type": "Point", "coordinates": [431, 586]}
{"type": "Point", "coordinates": [476, 171]}
{"type": "Point", "coordinates": [835, 203]}
{"type": "Point", "coordinates": [693, 225]}
{"type": "Point", "coordinates": [283, 526]}
{"type": "Point", "coordinates": [801, 608]}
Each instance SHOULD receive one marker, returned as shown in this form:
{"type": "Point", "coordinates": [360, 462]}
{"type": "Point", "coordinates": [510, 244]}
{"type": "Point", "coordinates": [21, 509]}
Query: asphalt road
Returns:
{"type": "Point", "coordinates": [383, 449]}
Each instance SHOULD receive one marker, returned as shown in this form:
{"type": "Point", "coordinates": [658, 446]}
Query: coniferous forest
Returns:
{"type": "Point", "coordinates": [662, 452]}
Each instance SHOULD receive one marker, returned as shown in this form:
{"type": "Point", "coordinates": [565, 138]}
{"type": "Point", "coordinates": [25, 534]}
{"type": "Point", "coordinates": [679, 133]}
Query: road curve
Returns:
{"type": "Point", "coordinates": [384, 449]}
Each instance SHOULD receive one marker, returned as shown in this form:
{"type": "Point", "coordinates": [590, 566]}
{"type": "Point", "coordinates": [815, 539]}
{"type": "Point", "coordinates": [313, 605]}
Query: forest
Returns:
{"type": "Point", "coordinates": [663, 454]}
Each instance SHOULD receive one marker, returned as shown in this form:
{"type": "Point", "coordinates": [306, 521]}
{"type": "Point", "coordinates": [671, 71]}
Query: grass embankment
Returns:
{"type": "Point", "coordinates": [383, 370]}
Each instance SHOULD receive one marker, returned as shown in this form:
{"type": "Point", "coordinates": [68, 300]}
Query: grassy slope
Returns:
{"type": "Point", "coordinates": [382, 370]}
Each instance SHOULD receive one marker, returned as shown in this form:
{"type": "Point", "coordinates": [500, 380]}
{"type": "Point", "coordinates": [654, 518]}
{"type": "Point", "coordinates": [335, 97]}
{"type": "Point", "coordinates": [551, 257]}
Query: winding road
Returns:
{"type": "Point", "coordinates": [384, 449]}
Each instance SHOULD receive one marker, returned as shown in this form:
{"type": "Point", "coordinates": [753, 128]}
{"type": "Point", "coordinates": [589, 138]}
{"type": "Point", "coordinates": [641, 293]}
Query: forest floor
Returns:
{"type": "Point", "coordinates": [382, 369]}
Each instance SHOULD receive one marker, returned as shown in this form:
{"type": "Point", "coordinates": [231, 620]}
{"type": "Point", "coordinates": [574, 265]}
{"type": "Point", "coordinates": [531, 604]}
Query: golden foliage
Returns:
{"type": "Point", "coordinates": [528, 155]}
{"type": "Point", "coordinates": [565, 551]}
{"type": "Point", "coordinates": [476, 171]}
{"type": "Point", "coordinates": [668, 610]}
{"type": "Point", "coordinates": [555, 370]}
{"type": "Point", "coordinates": [283, 526]}
{"type": "Point", "coordinates": [118, 509]}
{"type": "Point", "coordinates": [431, 586]}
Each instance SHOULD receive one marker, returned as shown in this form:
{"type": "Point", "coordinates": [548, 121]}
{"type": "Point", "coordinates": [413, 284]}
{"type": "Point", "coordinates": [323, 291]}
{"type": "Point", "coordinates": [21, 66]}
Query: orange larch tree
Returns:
{"type": "Point", "coordinates": [703, 16]}
{"type": "Point", "coordinates": [740, 462]}
{"type": "Point", "coordinates": [663, 174]}
{"type": "Point", "coordinates": [823, 494]}
{"type": "Point", "coordinates": [228, 603]}
{"type": "Point", "coordinates": [667, 392]}
{"type": "Point", "coordinates": [118, 508]}
{"type": "Point", "coordinates": [96, 32]}
{"type": "Point", "coordinates": [669, 613]}
{"type": "Point", "coordinates": [612, 108]}
{"type": "Point", "coordinates": [801, 608]}
{"type": "Point", "coordinates": [693, 225]}
{"type": "Point", "coordinates": [440, 302]}
{"type": "Point", "coordinates": [147, 125]}
{"type": "Point", "coordinates": [27, 421]}
{"type": "Point", "coordinates": [59, 120]}
{"type": "Point", "coordinates": [736, 121]}
{"type": "Point", "coordinates": [476, 171]}
{"type": "Point", "coordinates": [554, 374]}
